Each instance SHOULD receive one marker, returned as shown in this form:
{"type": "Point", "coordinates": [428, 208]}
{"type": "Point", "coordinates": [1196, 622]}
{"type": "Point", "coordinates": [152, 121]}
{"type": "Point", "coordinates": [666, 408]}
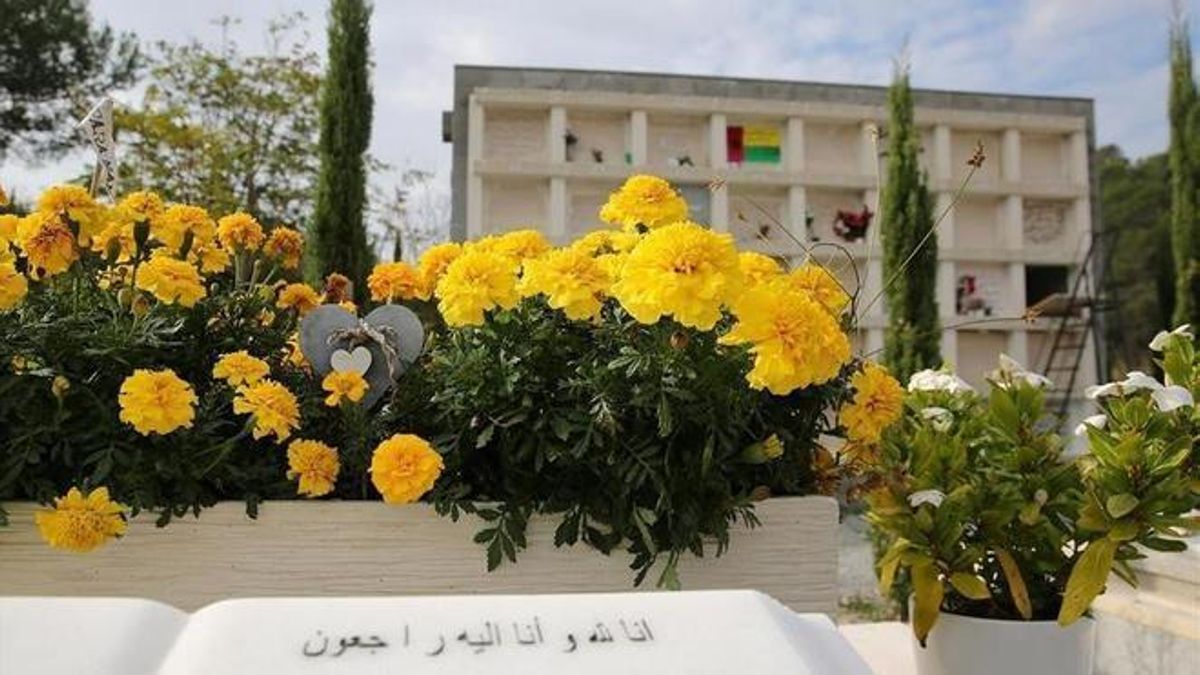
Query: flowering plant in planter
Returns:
{"type": "Point", "coordinates": [645, 384]}
{"type": "Point", "coordinates": [992, 517]}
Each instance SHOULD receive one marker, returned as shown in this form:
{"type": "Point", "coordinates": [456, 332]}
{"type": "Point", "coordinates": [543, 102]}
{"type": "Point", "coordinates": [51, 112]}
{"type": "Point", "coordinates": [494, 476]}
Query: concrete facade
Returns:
{"type": "Point", "coordinates": [1021, 230]}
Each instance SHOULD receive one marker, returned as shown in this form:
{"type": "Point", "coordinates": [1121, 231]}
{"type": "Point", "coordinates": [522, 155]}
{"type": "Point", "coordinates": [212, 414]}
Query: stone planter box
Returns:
{"type": "Point", "coordinates": [330, 548]}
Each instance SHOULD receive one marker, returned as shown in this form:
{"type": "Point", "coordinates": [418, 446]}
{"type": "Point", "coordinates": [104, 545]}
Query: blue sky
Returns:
{"type": "Point", "coordinates": [1111, 50]}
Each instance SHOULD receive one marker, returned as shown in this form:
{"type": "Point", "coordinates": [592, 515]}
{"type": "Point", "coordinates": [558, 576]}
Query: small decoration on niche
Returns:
{"type": "Point", "coordinates": [598, 155]}
{"type": "Point", "coordinates": [682, 160]}
{"type": "Point", "coordinates": [380, 346]}
{"type": "Point", "coordinates": [969, 297]}
{"type": "Point", "coordinates": [570, 140]}
{"type": "Point", "coordinates": [1044, 221]}
{"type": "Point", "coordinates": [851, 226]}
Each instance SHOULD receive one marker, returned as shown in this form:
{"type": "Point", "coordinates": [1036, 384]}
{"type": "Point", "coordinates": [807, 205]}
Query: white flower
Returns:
{"type": "Point", "coordinates": [1138, 380]}
{"type": "Point", "coordinates": [1160, 341]}
{"type": "Point", "coordinates": [1101, 390]}
{"type": "Point", "coordinates": [941, 418]}
{"type": "Point", "coordinates": [1172, 397]}
{"type": "Point", "coordinates": [920, 497]}
{"type": "Point", "coordinates": [1097, 421]}
{"type": "Point", "coordinates": [1012, 371]}
{"type": "Point", "coordinates": [938, 380]}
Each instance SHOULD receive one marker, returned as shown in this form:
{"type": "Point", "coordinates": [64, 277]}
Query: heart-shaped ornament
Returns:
{"type": "Point", "coordinates": [358, 360]}
{"type": "Point", "coordinates": [329, 329]}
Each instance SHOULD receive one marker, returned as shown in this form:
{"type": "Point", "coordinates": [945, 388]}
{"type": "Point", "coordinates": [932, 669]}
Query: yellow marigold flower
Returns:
{"type": "Point", "coordinates": [117, 233]}
{"type": "Point", "coordinates": [758, 268]}
{"type": "Point", "coordinates": [211, 259]}
{"type": "Point", "coordinates": [434, 261]}
{"type": "Point", "coordinates": [344, 384]}
{"type": "Point", "coordinates": [74, 202]}
{"type": "Point", "coordinates": [570, 279]}
{"type": "Point", "coordinates": [643, 200]}
{"type": "Point", "coordinates": [349, 306]}
{"type": "Point", "coordinates": [294, 355]}
{"type": "Point", "coordinates": [8, 227]}
{"type": "Point", "coordinates": [59, 386]}
{"type": "Point", "coordinates": [172, 225]}
{"type": "Point", "coordinates": [240, 368]}
{"type": "Point", "coordinates": [156, 402]}
{"type": "Point", "coordinates": [396, 281]}
{"type": "Point", "coordinates": [274, 408]}
{"type": "Point", "coordinates": [821, 286]}
{"type": "Point", "coordinates": [81, 524]}
{"type": "Point", "coordinates": [518, 245]}
{"type": "Point", "coordinates": [300, 297]}
{"type": "Point", "coordinates": [404, 467]}
{"type": "Point", "coordinates": [285, 245]}
{"type": "Point", "coordinates": [13, 286]}
{"type": "Point", "coordinates": [682, 270]}
{"type": "Point", "coordinates": [795, 342]}
{"type": "Point", "coordinates": [171, 280]}
{"type": "Point", "coordinates": [240, 231]}
{"type": "Point", "coordinates": [602, 242]}
{"type": "Point", "coordinates": [47, 243]}
{"type": "Point", "coordinates": [315, 464]}
{"type": "Point", "coordinates": [877, 404]}
{"type": "Point", "coordinates": [764, 451]}
{"type": "Point", "coordinates": [474, 283]}
{"type": "Point", "coordinates": [143, 204]}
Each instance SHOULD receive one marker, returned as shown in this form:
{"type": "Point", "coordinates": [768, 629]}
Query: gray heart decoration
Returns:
{"type": "Point", "coordinates": [330, 328]}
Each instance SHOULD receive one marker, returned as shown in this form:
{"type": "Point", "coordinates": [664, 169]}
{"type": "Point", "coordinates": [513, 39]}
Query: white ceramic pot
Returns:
{"type": "Point", "coordinates": [965, 645]}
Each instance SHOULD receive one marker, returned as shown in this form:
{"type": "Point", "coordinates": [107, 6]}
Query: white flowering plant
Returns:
{"type": "Point", "coordinates": [988, 513]}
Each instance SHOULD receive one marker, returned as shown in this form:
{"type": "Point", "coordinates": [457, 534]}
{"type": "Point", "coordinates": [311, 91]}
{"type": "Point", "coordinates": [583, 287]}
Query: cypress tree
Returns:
{"type": "Point", "coordinates": [338, 231]}
{"type": "Point", "coordinates": [1183, 156]}
{"type": "Point", "coordinates": [912, 340]}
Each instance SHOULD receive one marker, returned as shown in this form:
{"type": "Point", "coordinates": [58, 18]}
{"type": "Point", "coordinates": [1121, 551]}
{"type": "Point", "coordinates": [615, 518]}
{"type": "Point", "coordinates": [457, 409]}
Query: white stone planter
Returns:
{"type": "Point", "coordinates": [963, 644]}
{"type": "Point", "coordinates": [331, 548]}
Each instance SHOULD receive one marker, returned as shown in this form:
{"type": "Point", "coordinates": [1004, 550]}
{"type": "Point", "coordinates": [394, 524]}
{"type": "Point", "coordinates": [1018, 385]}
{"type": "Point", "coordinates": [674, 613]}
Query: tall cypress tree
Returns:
{"type": "Point", "coordinates": [1184, 161]}
{"type": "Point", "coordinates": [912, 340]}
{"type": "Point", "coordinates": [338, 230]}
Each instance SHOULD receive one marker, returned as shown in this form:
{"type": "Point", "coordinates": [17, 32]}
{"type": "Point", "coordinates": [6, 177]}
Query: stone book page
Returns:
{"type": "Point", "coordinates": [698, 633]}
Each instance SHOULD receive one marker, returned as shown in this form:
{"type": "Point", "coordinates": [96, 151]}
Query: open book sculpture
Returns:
{"type": "Point", "coordinates": [631, 633]}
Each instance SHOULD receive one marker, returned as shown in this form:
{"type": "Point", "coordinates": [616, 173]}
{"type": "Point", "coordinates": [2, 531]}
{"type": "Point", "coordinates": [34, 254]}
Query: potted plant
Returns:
{"type": "Point", "coordinates": [1005, 535]}
{"type": "Point", "coordinates": [641, 389]}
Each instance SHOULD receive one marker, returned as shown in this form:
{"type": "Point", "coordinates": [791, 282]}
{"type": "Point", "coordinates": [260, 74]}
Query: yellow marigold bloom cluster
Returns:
{"type": "Point", "coordinates": [344, 384]}
{"type": "Point", "coordinates": [172, 226]}
{"type": "Point", "coordinates": [240, 368]}
{"type": "Point", "coordinates": [682, 270]}
{"type": "Point", "coordinates": [8, 228]}
{"type": "Point", "coordinates": [571, 280]}
{"type": "Point", "coordinates": [393, 281]}
{"type": "Point", "coordinates": [795, 342]}
{"type": "Point", "coordinates": [240, 231]}
{"type": "Point", "coordinates": [315, 464]}
{"type": "Point", "coordinates": [211, 259]}
{"type": "Point", "coordinates": [648, 201]}
{"type": "Point", "coordinates": [877, 404]}
{"type": "Point", "coordinates": [273, 408]}
{"type": "Point", "coordinates": [117, 234]}
{"type": "Point", "coordinates": [156, 402]}
{"type": "Point", "coordinates": [477, 281]}
{"type": "Point", "coordinates": [47, 242]}
{"type": "Point", "coordinates": [758, 269]}
{"type": "Point", "coordinates": [81, 523]}
{"type": "Point", "coordinates": [74, 202]}
{"type": "Point", "coordinates": [605, 242]}
{"type": "Point", "coordinates": [285, 245]}
{"type": "Point", "coordinates": [518, 245]}
{"type": "Point", "coordinates": [171, 281]}
{"type": "Point", "coordinates": [433, 262]}
{"type": "Point", "coordinates": [147, 205]}
{"type": "Point", "coordinates": [405, 467]}
{"type": "Point", "coordinates": [13, 286]}
{"type": "Point", "coordinates": [821, 286]}
{"type": "Point", "coordinates": [300, 297]}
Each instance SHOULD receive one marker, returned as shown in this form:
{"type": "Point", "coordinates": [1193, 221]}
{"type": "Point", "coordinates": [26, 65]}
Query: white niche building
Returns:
{"type": "Point", "coordinates": [774, 162]}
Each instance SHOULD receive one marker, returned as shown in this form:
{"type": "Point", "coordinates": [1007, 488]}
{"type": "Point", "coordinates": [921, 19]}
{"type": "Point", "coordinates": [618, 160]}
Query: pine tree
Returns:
{"type": "Point", "coordinates": [912, 340]}
{"type": "Point", "coordinates": [338, 229]}
{"type": "Point", "coordinates": [1184, 161]}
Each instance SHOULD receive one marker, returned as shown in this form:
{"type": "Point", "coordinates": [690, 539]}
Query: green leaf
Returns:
{"type": "Point", "coordinates": [1087, 580]}
{"type": "Point", "coordinates": [970, 586]}
{"type": "Point", "coordinates": [1124, 530]}
{"type": "Point", "coordinates": [485, 436]}
{"type": "Point", "coordinates": [927, 598]}
{"type": "Point", "coordinates": [1160, 544]}
{"type": "Point", "coordinates": [889, 564]}
{"type": "Point", "coordinates": [1016, 583]}
{"type": "Point", "coordinates": [1120, 505]}
{"type": "Point", "coordinates": [1030, 513]}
